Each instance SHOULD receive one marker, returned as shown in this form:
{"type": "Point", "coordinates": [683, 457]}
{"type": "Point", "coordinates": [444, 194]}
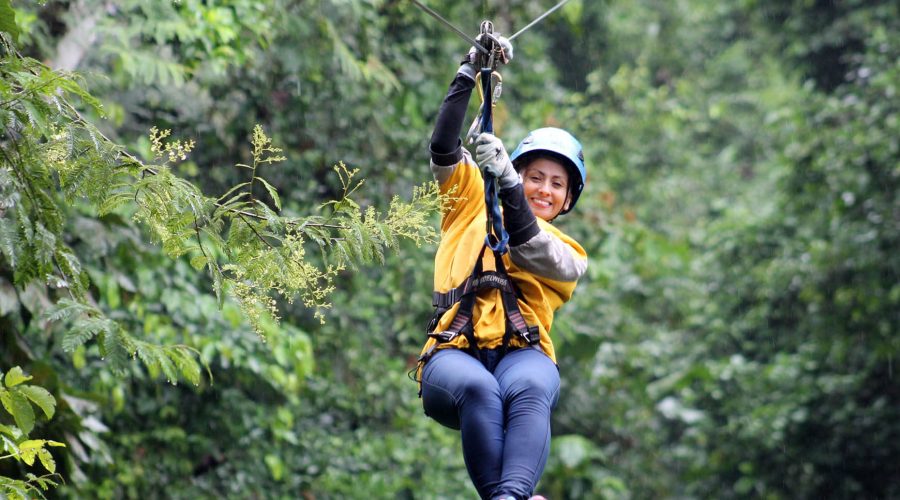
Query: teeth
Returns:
{"type": "Point", "coordinates": [545, 204]}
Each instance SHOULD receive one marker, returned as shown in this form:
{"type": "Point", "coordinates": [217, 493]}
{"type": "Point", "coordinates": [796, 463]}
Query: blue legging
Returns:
{"type": "Point", "coordinates": [503, 413]}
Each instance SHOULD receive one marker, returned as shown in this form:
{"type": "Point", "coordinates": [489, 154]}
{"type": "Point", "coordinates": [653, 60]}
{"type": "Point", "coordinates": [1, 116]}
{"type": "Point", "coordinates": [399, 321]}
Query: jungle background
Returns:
{"type": "Point", "coordinates": [735, 336]}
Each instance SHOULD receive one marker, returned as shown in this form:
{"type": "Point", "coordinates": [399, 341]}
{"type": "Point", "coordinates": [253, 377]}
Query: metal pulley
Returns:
{"type": "Point", "coordinates": [488, 80]}
{"type": "Point", "coordinates": [493, 55]}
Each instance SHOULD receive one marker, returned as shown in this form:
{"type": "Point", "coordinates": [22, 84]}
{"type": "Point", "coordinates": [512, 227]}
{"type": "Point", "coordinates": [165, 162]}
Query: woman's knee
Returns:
{"type": "Point", "coordinates": [478, 389]}
{"type": "Point", "coordinates": [459, 374]}
{"type": "Point", "coordinates": [534, 387]}
{"type": "Point", "coordinates": [440, 405]}
{"type": "Point", "coordinates": [454, 380]}
{"type": "Point", "coordinates": [532, 375]}
{"type": "Point", "coordinates": [466, 388]}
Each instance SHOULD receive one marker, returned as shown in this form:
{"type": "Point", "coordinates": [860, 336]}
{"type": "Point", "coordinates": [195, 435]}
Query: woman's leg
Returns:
{"type": "Point", "coordinates": [460, 393]}
{"type": "Point", "coordinates": [529, 385]}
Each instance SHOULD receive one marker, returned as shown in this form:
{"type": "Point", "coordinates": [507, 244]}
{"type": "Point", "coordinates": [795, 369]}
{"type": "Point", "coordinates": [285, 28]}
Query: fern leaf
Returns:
{"type": "Point", "coordinates": [232, 190]}
{"type": "Point", "coordinates": [75, 338]}
{"type": "Point", "coordinates": [69, 264]}
{"type": "Point", "coordinates": [113, 346]}
{"type": "Point", "coordinates": [71, 86]}
{"type": "Point", "coordinates": [113, 202]}
{"type": "Point", "coordinates": [44, 482]}
{"type": "Point", "coordinates": [37, 114]}
{"type": "Point", "coordinates": [167, 366]}
{"type": "Point", "coordinates": [85, 328]}
{"type": "Point", "coordinates": [213, 231]}
{"type": "Point", "coordinates": [185, 363]}
{"type": "Point", "coordinates": [149, 355]}
{"type": "Point", "coordinates": [272, 192]}
{"type": "Point", "coordinates": [65, 309]}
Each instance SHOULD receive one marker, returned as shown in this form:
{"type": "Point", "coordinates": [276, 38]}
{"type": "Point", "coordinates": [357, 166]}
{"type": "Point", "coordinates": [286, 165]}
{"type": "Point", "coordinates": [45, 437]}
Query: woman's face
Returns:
{"type": "Point", "coordinates": [546, 184]}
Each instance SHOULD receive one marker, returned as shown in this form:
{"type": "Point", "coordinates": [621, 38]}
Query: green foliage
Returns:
{"type": "Point", "coordinates": [259, 250]}
{"type": "Point", "coordinates": [811, 346]}
{"type": "Point", "coordinates": [49, 148]}
{"type": "Point", "coordinates": [575, 470]}
{"type": "Point", "coordinates": [17, 399]}
{"type": "Point", "coordinates": [54, 160]}
{"type": "Point", "coordinates": [8, 19]}
{"type": "Point", "coordinates": [735, 335]}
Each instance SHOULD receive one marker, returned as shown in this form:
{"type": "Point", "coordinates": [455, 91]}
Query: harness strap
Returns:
{"type": "Point", "coordinates": [488, 279]}
{"type": "Point", "coordinates": [530, 334]}
{"type": "Point", "coordinates": [496, 237]}
{"type": "Point", "coordinates": [465, 294]}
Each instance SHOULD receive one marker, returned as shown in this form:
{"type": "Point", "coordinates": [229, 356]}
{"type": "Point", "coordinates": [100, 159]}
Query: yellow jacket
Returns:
{"type": "Point", "coordinates": [462, 236]}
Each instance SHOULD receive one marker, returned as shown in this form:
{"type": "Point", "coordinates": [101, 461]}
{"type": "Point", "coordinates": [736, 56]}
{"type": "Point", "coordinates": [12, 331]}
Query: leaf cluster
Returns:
{"type": "Point", "coordinates": [17, 399]}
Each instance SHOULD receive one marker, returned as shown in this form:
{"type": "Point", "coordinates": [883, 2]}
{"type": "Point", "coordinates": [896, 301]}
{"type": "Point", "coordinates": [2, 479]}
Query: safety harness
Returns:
{"type": "Point", "coordinates": [465, 295]}
{"type": "Point", "coordinates": [496, 239]}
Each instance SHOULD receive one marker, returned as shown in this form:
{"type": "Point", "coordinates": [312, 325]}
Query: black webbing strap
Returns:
{"type": "Point", "coordinates": [514, 319]}
{"type": "Point", "coordinates": [488, 279]}
{"type": "Point", "coordinates": [465, 294]}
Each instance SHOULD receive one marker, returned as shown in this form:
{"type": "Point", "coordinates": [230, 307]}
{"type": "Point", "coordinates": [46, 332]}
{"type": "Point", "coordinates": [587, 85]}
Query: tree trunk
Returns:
{"type": "Point", "coordinates": [73, 46]}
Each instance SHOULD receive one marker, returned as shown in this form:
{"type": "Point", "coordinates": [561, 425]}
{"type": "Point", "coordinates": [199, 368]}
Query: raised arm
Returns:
{"type": "Point", "coordinates": [446, 146]}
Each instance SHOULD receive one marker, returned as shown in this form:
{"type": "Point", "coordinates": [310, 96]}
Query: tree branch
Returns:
{"type": "Point", "coordinates": [148, 170]}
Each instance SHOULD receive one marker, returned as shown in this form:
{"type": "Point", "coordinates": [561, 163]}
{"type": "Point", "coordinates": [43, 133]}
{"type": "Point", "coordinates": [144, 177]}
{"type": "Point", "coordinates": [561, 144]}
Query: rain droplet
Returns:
{"type": "Point", "coordinates": [849, 198]}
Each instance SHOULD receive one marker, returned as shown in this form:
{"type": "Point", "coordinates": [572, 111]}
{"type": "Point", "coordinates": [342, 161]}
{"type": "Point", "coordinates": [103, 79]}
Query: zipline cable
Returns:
{"type": "Point", "coordinates": [539, 19]}
{"type": "Point", "coordinates": [450, 25]}
{"type": "Point", "coordinates": [469, 39]}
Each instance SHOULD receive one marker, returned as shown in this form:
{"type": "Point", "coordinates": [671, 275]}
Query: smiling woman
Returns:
{"type": "Point", "coordinates": [489, 365]}
{"type": "Point", "coordinates": [546, 185]}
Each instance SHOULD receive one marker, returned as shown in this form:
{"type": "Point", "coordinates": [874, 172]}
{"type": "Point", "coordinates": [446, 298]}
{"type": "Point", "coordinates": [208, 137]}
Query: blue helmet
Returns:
{"type": "Point", "coordinates": [559, 144]}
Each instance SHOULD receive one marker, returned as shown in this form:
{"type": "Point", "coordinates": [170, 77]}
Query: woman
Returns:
{"type": "Point", "coordinates": [500, 392]}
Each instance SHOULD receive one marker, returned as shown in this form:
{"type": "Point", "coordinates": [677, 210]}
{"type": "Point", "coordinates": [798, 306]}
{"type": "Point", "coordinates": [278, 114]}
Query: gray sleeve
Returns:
{"type": "Point", "coordinates": [548, 256]}
{"type": "Point", "coordinates": [443, 172]}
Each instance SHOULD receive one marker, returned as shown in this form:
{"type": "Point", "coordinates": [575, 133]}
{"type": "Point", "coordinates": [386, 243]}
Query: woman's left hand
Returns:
{"type": "Point", "coordinates": [491, 156]}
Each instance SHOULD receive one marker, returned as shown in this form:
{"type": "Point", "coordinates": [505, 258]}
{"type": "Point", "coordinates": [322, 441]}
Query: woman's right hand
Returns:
{"type": "Point", "coordinates": [468, 66]}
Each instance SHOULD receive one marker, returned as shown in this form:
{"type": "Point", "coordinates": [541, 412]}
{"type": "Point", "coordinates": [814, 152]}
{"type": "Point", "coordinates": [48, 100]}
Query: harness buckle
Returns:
{"type": "Point", "coordinates": [532, 335]}
{"type": "Point", "coordinates": [432, 324]}
{"type": "Point", "coordinates": [444, 336]}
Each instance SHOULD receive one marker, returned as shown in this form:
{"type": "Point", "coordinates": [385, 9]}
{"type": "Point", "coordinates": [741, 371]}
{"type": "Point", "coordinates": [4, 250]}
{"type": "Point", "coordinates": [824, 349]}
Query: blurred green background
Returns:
{"type": "Point", "coordinates": [735, 335]}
